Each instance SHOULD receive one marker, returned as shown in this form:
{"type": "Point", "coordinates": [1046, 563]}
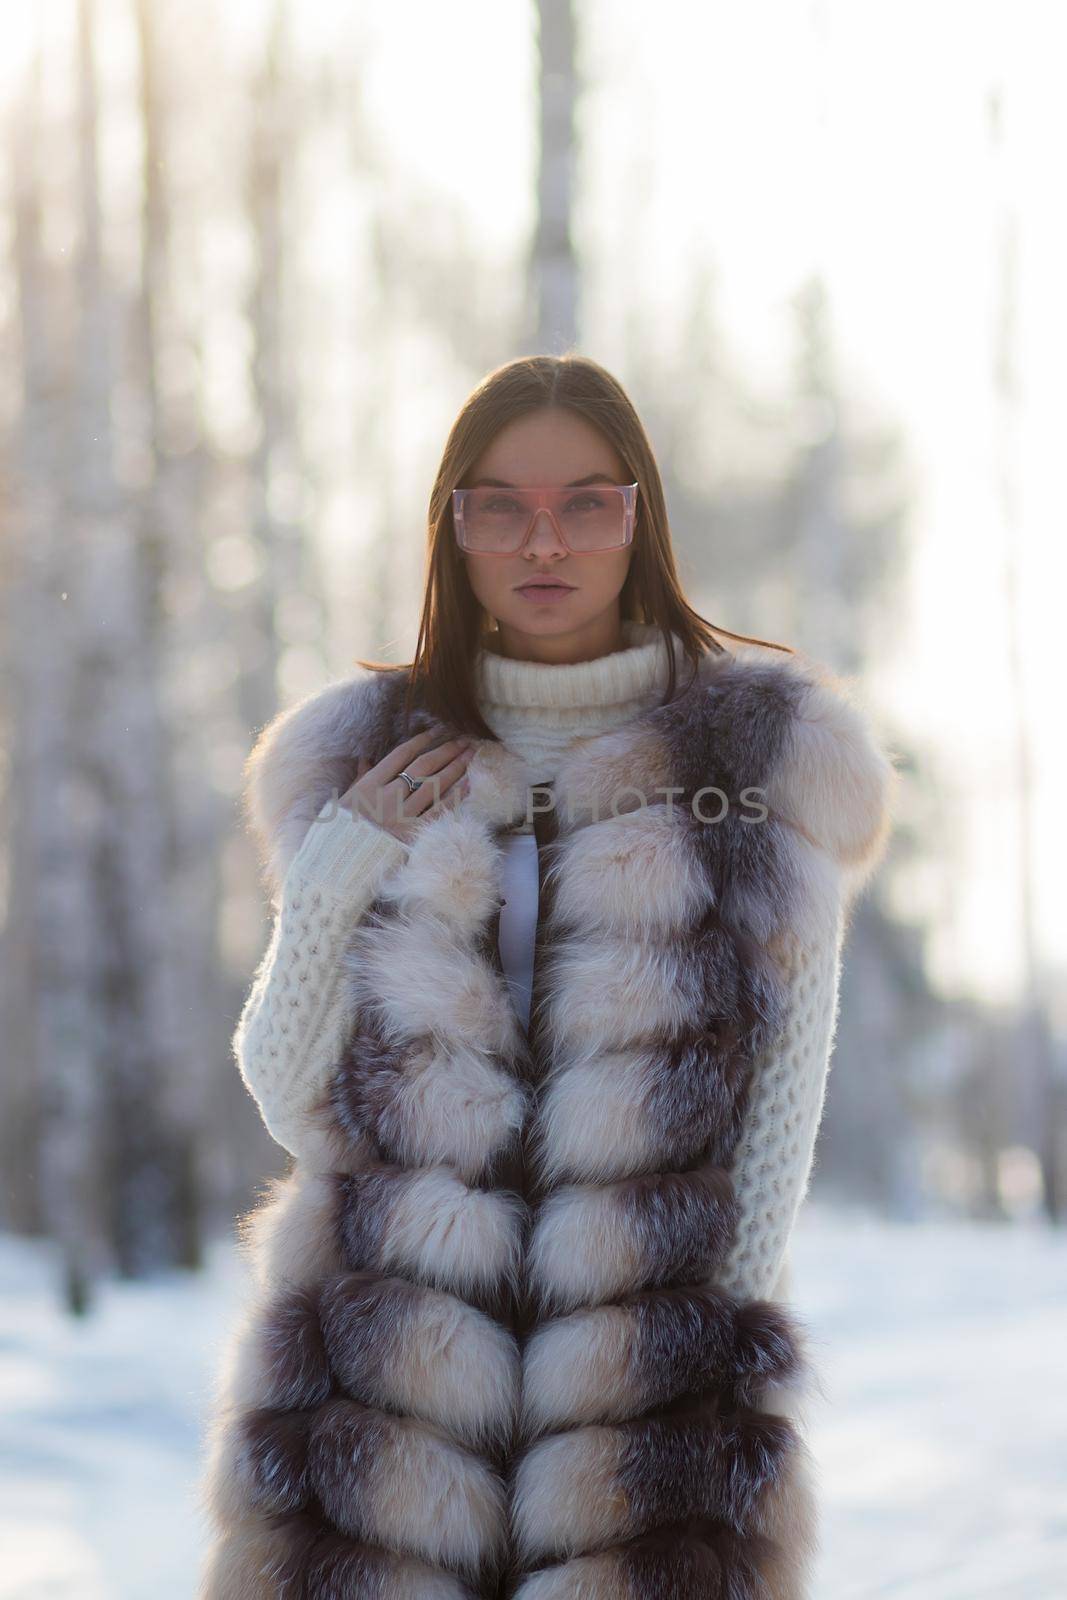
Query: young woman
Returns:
{"type": "Point", "coordinates": [544, 1021]}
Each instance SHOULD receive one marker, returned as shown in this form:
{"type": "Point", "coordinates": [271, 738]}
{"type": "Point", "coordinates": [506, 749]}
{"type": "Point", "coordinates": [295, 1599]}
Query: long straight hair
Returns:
{"type": "Point", "coordinates": [451, 629]}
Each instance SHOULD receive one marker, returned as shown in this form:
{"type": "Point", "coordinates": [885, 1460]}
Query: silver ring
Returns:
{"type": "Point", "coordinates": [412, 783]}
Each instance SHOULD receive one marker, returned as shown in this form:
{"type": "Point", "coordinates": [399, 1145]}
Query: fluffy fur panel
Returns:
{"type": "Point", "coordinates": [699, 1561]}
{"type": "Point", "coordinates": [433, 1228]}
{"type": "Point", "coordinates": [617, 991]}
{"type": "Point", "coordinates": [424, 1103]}
{"type": "Point", "coordinates": [593, 1242]}
{"type": "Point", "coordinates": [456, 994]}
{"type": "Point", "coordinates": [795, 734]}
{"type": "Point", "coordinates": [579, 1491]}
{"type": "Point", "coordinates": [451, 871]}
{"type": "Point", "coordinates": [605, 1115]}
{"type": "Point", "coordinates": [421, 1353]}
{"type": "Point", "coordinates": [298, 1558]}
{"type": "Point", "coordinates": [659, 1035]}
{"type": "Point", "coordinates": [384, 1479]}
{"type": "Point", "coordinates": [613, 1362]}
{"type": "Point", "coordinates": [385, 1342]}
{"type": "Point", "coordinates": [610, 1109]}
{"type": "Point", "coordinates": [835, 780]}
{"type": "Point", "coordinates": [291, 1239]}
{"type": "Point", "coordinates": [360, 1410]}
{"type": "Point", "coordinates": [736, 886]}
{"type": "Point", "coordinates": [429, 1071]}
{"type": "Point", "coordinates": [632, 874]}
{"type": "Point", "coordinates": [399, 1483]}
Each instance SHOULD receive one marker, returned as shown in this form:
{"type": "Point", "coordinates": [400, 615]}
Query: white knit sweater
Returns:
{"type": "Point", "coordinates": [296, 1013]}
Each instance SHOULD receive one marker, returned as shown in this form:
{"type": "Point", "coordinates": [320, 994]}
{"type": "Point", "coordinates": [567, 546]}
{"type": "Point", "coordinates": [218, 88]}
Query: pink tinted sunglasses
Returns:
{"type": "Point", "coordinates": [497, 521]}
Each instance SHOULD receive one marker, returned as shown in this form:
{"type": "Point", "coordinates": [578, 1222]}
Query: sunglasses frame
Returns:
{"type": "Point", "coordinates": [546, 497]}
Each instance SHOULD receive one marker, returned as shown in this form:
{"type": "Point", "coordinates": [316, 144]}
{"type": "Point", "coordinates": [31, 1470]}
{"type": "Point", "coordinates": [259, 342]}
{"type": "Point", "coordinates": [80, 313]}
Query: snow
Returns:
{"type": "Point", "coordinates": [99, 1428]}
{"type": "Point", "coordinates": [939, 1426]}
{"type": "Point", "coordinates": [942, 1435]}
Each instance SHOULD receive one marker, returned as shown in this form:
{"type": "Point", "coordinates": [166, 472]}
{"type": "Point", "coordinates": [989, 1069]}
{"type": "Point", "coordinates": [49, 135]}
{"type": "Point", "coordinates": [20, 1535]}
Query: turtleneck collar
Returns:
{"type": "Point", "coordinates": [536, 709]}
{"type": "Point", "coordinates": [624, 676]}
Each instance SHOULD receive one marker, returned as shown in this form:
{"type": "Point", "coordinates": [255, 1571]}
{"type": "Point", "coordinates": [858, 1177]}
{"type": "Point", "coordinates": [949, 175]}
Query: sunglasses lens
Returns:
{"type": "Point", "coordinates": [495, 520]}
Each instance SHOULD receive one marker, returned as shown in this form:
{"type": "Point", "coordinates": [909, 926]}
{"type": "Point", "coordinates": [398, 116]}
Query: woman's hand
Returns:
{"type": "Point", "coordinates": [382, 796]}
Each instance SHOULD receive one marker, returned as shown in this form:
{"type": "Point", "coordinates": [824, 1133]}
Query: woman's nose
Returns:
{"type": "Point", "coordinates": [544, 527]}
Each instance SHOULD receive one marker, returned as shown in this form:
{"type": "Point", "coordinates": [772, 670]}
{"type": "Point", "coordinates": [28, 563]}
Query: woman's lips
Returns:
{"type": "Point", "coordinates": [540, 593]}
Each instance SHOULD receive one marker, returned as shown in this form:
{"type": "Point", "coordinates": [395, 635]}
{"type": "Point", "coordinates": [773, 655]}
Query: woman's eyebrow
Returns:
{"type": "Point", "coordinates": [501, 483]}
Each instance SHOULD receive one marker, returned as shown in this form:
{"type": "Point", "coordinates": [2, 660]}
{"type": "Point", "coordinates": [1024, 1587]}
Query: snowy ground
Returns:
{"type": "Point", "coordinates": [941, 1431]}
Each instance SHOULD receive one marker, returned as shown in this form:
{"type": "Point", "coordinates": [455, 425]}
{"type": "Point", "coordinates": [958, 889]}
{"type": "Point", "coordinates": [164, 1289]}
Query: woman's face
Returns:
{"type": "Point", "coordinates": [556, 447]}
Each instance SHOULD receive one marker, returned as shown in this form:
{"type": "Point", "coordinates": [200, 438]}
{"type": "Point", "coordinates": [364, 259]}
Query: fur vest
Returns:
{"type": "Point", "coordinates": [485, 1355]}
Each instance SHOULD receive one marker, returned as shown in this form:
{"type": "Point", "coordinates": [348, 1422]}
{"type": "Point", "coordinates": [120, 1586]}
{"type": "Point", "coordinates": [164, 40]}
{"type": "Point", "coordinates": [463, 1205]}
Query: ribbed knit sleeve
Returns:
{"type": "Point", "coordinates": [295, 1016]}
{"type": "Point", "coordinates": [773, 1161]}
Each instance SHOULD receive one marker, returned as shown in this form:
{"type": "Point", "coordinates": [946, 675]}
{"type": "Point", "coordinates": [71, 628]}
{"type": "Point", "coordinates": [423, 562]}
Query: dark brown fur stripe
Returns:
{"type": "Point", "coordinates": [364, 1087]}
{"type": "Point", "coordinates": [770, 1346]}
{"type": "Point", "coordinates": [742, 996]}
{"type": "Point", "coordinates": [293, 1357]}
{"type": "Point", "coordinates": [697, 1089]}
{"type": "Point", "coordinates": [685, 1340]}
{"type": "Point", "coordinates": [684, 1222]}
{"type": "Point", "coordinates": [367, 1200]}
{"type": "Point", "coordinates": [272, 1458]}
{"type": "Point", "coordinates": [305, 1559]}
{"type": "Point", "coordinates": [731, 729]}
{"type": "Point", "coordinates": [701, 1467]}
{"type": "Point", "coordinates": [694, 1560]}
{"type": "Point", "coordinates": [666, 1347]}
{"type": "Point", "coordinates": [588, 1489]}
{"type": "Point", "coordinates": [732, 734]}
{"type": "Point", "coordinates": [360, 1312]}
{"type": "Point", "coordinates": [347, 1442]}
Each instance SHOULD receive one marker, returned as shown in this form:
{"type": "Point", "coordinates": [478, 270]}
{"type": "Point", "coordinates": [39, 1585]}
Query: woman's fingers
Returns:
{"type": "Point", "coordinates": [420, 754]}
{"type": "Point", "coordinates": [380, 792]}
{"type": "Point", "coordinates": [431, 792]}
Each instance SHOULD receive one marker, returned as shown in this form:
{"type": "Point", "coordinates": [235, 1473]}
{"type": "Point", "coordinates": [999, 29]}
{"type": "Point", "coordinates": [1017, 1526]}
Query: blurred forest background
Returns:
{"type": "Point", "coordinates": [253, 257]}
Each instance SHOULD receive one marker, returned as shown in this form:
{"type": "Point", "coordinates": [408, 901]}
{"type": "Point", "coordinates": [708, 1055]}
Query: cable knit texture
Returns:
{"type": "Point", "coordinates": [296, 1016]}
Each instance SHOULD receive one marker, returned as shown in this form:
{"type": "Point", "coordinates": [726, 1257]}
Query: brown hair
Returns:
{"type": "Point", "coordinates": [442, 677]}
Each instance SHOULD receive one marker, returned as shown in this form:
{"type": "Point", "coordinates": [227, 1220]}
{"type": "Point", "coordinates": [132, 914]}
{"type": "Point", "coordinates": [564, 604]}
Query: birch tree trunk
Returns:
{"type": "Point", "coordinates": [122, 744]}
{"type": "Point", "coordinates": [553, 264]}
{"type": "Point", "coordinates": [53, 828]}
